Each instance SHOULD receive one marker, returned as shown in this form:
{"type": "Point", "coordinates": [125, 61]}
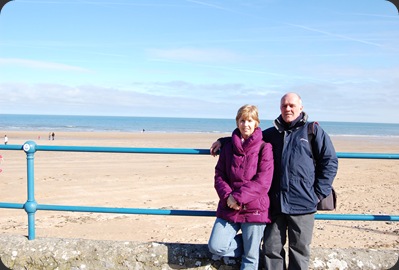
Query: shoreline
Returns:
{"type": "Point", "coordinates": [16, 137]}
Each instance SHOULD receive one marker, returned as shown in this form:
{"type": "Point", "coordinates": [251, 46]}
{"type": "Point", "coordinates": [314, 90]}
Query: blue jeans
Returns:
{"type": "Point", "coordinates": [225, 241]}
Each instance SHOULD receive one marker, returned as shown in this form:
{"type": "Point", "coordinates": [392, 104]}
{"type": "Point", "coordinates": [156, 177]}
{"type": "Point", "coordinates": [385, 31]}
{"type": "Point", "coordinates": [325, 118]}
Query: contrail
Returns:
{"type": "Point", "coordinates": [334, 35]}
{"type": "Point", "coordinates": [293, 25]}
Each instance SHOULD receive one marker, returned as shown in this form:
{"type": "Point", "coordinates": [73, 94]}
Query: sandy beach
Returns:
{"type": "Point", "coordinates": [367, 186]}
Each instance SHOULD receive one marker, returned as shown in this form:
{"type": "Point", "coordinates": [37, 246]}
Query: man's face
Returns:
{"type": "Point", "coordinates": [290, 107]}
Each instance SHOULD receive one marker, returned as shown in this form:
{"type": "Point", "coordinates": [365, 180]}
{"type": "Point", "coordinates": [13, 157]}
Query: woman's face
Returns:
{"type": "Point", "coordinates": [247, 126]}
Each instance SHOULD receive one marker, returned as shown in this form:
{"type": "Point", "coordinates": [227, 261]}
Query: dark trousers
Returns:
{"type": "Point", "coordinates": [300, 232]}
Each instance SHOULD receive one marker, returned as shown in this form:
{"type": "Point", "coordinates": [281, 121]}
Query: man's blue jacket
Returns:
{"type": "Point", "coordinates": [303, 171]}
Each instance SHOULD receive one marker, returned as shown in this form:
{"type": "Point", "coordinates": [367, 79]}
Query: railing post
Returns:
{"type": "Point", "coordinates": [31, 205]}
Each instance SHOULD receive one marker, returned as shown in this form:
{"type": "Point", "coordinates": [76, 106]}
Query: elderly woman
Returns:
{"type": "Point", "coordinates": [243, 176]}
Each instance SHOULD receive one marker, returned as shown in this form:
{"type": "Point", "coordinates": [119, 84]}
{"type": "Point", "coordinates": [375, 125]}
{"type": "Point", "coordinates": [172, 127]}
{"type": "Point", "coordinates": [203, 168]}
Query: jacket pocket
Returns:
{"type": "Point", "coordinates": [259, 205]}
{"type": "Point", "coordinates": [302, 195]}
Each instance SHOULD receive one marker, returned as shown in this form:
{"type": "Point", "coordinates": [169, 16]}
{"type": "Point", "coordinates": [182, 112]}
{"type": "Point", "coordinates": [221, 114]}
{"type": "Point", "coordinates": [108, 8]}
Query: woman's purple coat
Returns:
{"type": "Point", "coordinates": [239, 172]}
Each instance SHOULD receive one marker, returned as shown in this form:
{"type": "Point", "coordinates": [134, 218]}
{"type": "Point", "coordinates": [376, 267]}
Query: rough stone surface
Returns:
{"type": "Point", "coordinates": [17, 252]}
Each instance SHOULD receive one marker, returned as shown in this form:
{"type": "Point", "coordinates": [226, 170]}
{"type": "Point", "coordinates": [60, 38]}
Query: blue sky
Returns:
{"type": "Point", "coordinates": [205, 58]}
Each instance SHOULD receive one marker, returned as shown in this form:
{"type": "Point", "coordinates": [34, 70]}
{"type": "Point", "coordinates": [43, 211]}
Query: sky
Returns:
{"type": "Point", "coordinates": [200, 58]}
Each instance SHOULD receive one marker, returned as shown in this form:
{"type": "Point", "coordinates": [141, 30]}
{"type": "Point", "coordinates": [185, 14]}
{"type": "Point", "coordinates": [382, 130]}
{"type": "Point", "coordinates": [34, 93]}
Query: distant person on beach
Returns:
{"type": "Point", "coordinates": [243, 176]}
{"type": "Point", "coordinates": [52, 136]}
{"type": "Point", "coordinates": [303, 175]}
{"type": "Point", "coordinates": [5, 139]}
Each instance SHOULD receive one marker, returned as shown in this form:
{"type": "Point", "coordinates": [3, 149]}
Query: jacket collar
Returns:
{"type": "Point", "coordinates": [282, 126]}
{"type": "Point", "coordinates": [253, 140]}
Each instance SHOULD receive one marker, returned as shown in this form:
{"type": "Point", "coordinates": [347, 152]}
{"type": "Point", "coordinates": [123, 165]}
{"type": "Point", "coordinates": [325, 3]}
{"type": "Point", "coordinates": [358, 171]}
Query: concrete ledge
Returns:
{"type": "Point", "coordinates": [16, 252]}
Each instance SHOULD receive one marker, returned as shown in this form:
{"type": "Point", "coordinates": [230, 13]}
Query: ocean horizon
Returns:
{"type": "Point", "coordinates": [76, 123]}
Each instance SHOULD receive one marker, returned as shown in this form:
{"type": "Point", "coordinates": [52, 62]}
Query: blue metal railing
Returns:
{"type": "Point", "coordinates": [31, 206]}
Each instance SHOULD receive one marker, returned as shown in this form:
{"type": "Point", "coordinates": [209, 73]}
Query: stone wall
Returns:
{"type": "Point", "coordinates": [16, 252]}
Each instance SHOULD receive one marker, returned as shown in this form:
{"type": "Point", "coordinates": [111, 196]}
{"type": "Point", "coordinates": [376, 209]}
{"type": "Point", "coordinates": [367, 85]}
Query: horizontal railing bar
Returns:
{"type": "Point", "coordinates": [104, 149]}
{"type": "Point", "coordinates": [189, 151]}
{"type": "Point", "coordinates": [12, 205]}
{"type": "Point", "coordinates": [147, 211]}
{"type": "Point", "coordinates": [122, 149]}
{"type": "Point", "coordinates": [174, 212]}
{"type": "Point", "coordinates": [368, 155]}
{"type": "Point", "coordinates": [356, 217]}
{"type": "Point", "coordinates": [11, 147]}
{"type": "Point", "coordinates": [116, 210]}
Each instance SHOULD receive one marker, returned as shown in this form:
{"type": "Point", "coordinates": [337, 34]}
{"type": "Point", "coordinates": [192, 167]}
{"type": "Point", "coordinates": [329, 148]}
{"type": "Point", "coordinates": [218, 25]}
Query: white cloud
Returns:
{"type": "Point", "coordinates": [323, 102]}
{"type": "Point", "coordinates": [34, 64]}
{"type": "Point", "coordinates": [195, 55]}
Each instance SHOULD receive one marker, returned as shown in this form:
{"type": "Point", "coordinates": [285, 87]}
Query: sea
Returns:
{"type": "Point", "coordinates": [71, 123]}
